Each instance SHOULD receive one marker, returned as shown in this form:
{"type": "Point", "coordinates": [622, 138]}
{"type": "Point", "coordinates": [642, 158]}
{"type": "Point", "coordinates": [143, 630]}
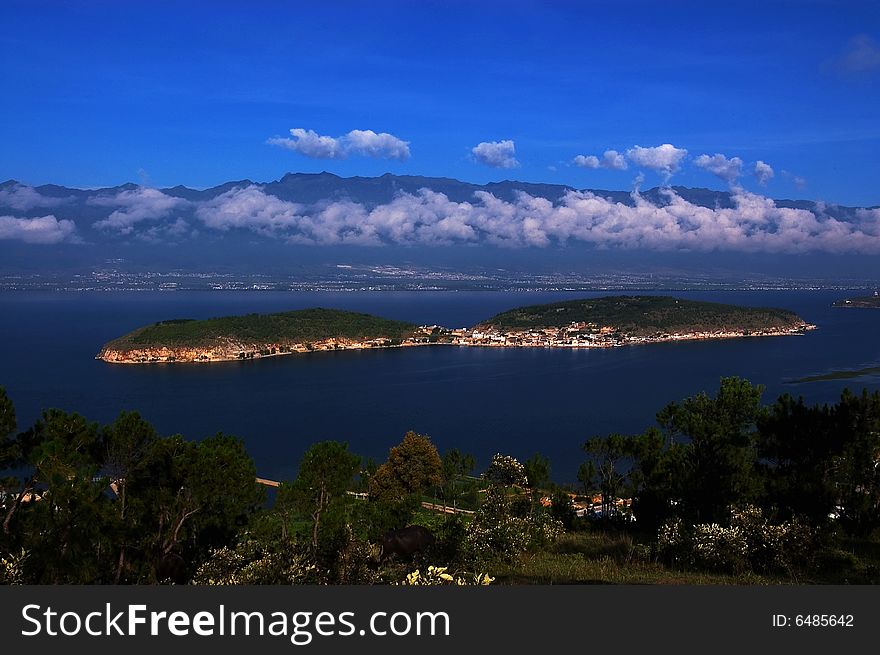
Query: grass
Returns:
{"type": "Point", "coordinates": [606, 558]}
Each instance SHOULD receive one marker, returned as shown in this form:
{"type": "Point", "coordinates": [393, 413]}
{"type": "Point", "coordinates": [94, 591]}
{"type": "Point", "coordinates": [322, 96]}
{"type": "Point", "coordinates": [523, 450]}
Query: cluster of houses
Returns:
{"type": "Point", "coordinates": [588, 335]}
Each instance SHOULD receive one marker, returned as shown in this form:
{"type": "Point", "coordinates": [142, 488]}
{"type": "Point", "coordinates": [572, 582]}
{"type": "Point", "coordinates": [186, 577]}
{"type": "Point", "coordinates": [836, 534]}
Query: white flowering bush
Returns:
{"type": "Point", "coordinates": [506, 470]}
{"type": "Point", "coordinates": [750, 540]}
{"type": "Point", "coordinates": [12, 568]}
{"type": "Point", "coordinates": [497, 538]}
{"type": "Point", "coordinates": [545, 529]}
{"type": "Point", "coordinates": [719, 547]}
{"type": "Point", "coordinates": [773, 546]}
{"type": "Point", "coordinates": [245, 565]}
{"type": "Point", "coordinates": [437, 575]}
{"type": "Point", "coordinates": [673, 542]}
{"type": "Point", "coordinates": [495, 533]}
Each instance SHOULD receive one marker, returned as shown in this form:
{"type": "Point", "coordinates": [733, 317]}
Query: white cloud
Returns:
{"type": "Point", "coordinates": [586, 161]}
{"type": "Point", "coordinates": [665, 158]}
{"type": "Point", "coordinates": [497, 154]}
{"type": "Point", "coordinates": [249, 208]}
{"type": "Point", "coordinates": [23, 198]}
{"type": "Point", "coordinates": [763, 172]}
{"type": "Point", "coordinates": [43, 230]}
{"type": "Point", "coordinates": [366, 143]}
{"type": "Point", "coordinates": [135, 206]}
{"type": "Point", "coordinates": [611, 159]}
{"type": "Point", "coordinates": [428, 218]}
{"type": "Point", "coordinates": [728, 170]}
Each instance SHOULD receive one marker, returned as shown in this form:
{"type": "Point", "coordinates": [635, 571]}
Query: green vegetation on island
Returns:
{"type": "Point", "coordinates": [299, 326]}
{"type": "Point", "coordinates": [645, 315]}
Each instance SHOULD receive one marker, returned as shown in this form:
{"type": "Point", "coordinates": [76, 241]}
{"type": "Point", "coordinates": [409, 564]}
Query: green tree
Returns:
{"type": "Point", "coordinates": [455, 465]}
{"type": "Point", "coordinates": [537, 468]}
{"type": "Point", "coordinates": [128, 442]}
{"type": "Point", "coordinates": [655, 478]}
{"type": "Point", "coordinates": [413, 466]}
{"type": "Point", "coordinates": [325, 474]}
{"type": "Point", "coordinates": [7, 427]}
{"type": "Point", "coordinates": [720, 461]}
{"type": "Point", "coordinates": [562, 508]}
{"type": "Point", "coordinates": [196, 496]}
{"type": "Point", "coordinates": [604, 467]}
{"type": "Point", "coordinates": [62, 527]}
{"type": "Point", "coordinates": [8, 445]}
{"type": "Point", "coordinates": [797, 446]}
{"type": "Point", "coordinates": [856, 471]}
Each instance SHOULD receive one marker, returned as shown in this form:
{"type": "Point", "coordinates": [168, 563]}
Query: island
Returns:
{"type": "Point", "coordinates": [256, 335]}
{"type": "Point", "coordinates": [611, 321]}
{"type": "Point", "coordinates": [862, 302]}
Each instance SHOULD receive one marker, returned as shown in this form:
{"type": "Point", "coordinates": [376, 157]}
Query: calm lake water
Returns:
{"type": "Point", "coordinates": [516, 401]}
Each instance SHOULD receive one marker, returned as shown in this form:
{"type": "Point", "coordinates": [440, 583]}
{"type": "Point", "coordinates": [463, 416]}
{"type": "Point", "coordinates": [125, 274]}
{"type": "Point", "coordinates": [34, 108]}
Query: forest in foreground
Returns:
{"type": "Point", "coordinates": [722, 489]}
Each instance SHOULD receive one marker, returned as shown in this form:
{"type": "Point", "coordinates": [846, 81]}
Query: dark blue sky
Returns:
{"type": "Point", "coordinates": [101, 93]}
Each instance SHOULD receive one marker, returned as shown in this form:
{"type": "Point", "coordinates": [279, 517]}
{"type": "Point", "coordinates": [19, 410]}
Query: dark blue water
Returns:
{"type": "Point", "coordinates": [517, 401]}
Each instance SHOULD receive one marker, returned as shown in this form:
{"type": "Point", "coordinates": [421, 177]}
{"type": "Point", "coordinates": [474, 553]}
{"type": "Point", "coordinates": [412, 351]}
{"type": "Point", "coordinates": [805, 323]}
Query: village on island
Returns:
{"type": "Point", "coordinates": [574, 335]}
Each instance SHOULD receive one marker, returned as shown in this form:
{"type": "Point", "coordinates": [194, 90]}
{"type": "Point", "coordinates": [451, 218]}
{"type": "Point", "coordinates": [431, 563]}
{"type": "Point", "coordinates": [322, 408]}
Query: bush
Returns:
{"type": "Point", "coordinates": [750, 541]}
{"type": "Point", "coordinates": [451, 535]}
{"type": "Point", "coordinates": [496, 533]}
{"type": "Point", "coordinates": [719, 548]}
{"type": "Point", "coordinates": [249, 563]}
{"type": "Point", "coordinates": [12, 568]}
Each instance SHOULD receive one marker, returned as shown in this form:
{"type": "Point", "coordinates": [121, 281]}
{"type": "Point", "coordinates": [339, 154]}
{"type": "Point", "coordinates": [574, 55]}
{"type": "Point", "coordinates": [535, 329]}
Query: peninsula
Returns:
{"type": "Point", "coordinates": [590, 323]}
{"type": "Point", "coordinates": [862, 302]}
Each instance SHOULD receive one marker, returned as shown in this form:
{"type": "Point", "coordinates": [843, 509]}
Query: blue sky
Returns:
{"type": "Point", "coordinates": [97, 94]}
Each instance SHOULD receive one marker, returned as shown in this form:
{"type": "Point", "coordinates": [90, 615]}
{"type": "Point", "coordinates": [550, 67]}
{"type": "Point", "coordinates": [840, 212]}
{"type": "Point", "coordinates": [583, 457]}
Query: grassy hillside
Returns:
{"type": "Point", "coordinates": [644, 315]}
{"type": "Point", "coordinates": [298, 326]}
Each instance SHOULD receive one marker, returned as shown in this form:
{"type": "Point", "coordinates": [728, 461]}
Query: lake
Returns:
{"type": "Point", "coordinates": [516, 401]}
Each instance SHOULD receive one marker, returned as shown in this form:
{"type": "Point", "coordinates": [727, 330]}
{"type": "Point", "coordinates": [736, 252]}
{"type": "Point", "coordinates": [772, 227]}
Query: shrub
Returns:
{"type": "Point", "coordinates": [718, 547]}
{"type": "Point", "coordinates": [436, 575]}
{"type": "Point", "coordinates": [750, 540]}
{"type": "Point", "coordinates": [248, 563]}
{"type": "Point", "coordinates": [12, 568]}
{"type": "Point", "coordinates": [495, 533]}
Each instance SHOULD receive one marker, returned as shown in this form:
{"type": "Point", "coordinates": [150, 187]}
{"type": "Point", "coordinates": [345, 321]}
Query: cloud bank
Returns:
{"type": "Point", "coordinates": [25, 198]}
{"type": "Point", "coordinates": [135, 206]}
{"type": "Point", "coordinates": [366, 143]}
{"type": "Point", "coordinates": [754, 224]}
{"type": "Point", "coordinates": [497, 154]}
{"type": "Point", "coordinates": [45, 230]}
